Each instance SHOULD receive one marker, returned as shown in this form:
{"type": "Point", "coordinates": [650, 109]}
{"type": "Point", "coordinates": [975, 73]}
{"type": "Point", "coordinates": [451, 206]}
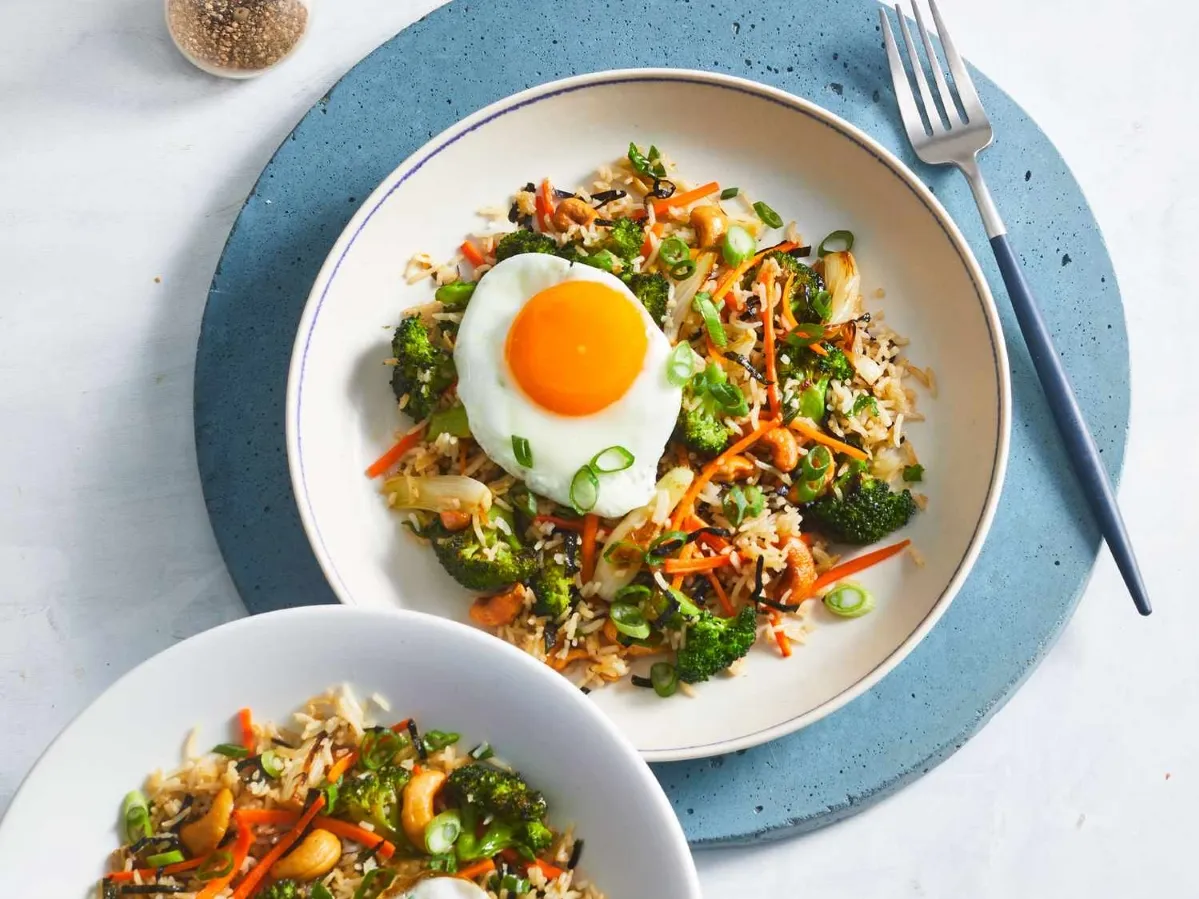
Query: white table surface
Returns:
{"type": "Point", "coordinates": [120, 166]}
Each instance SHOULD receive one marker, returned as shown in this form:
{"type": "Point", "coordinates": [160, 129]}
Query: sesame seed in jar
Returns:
{"type": "Point", "coordinates": [236, 37]}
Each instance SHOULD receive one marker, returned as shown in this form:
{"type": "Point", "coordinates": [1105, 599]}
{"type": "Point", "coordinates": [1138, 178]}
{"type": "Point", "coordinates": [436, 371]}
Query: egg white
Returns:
{"type": "Point", "coordinates": [445, 888]}
{"type": "Point", "coordinates": [641, 421]}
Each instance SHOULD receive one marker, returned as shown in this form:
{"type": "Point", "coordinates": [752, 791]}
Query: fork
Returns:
{"type": "Point", "coordinates": [954, 133]}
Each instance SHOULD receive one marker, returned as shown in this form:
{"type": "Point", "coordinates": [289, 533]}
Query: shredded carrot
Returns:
{"type": "Point", "coordinates": [283, 817]}
{"type": "Point", "coordinates": [590, 526]}
{"type": "Point", "coordinates": [478, 869]}
{"type": "Point", "coordinates": [692, 566]}
{"type": "Point", "coordinates": [245, 724]}
{"type": "Point", "coordinates": [687, 503]}
{"type": "Point", "coordinates": [726, 283]}
{"type": "Point", "coordinates": [772, 391]}
{"type": "Point", "coordinates": [566, 524]}
{"type": "Point", "coordinates": [788, 314]}
{"type": "Point", "coordinates": [853, 566]}
{"type": "Point", "coordinates": [647, 245]}
{"type": "Point", "coordinates": [780, 638]}
{"type": "Point", "coordinates": [472, 253]}
{"type": "Point", "coordinates": [561, 664]}
{"type": "Point", "coordinates": [393, 455]}
{"type": "Point", "coordinates": [544, 204]}
{"type": "Point", "coordinates": [149, 873]}
{"type": "Point", "coordinates": [818, 349]}
{"type": "Point", "coordinates": [241, 848]}
{"type": "Point", "coordinates": [400, 725]}
{"type": "Point", "coordinates": [686, 198]}
{"type": "Point", "coordinates": [725, 604]}
{"type": "Point", "coordinates": [252, 879]}
{"type": "Point", "coordinates": [818, 436]}
{"type": "Point", "coordinates": [341, 766]}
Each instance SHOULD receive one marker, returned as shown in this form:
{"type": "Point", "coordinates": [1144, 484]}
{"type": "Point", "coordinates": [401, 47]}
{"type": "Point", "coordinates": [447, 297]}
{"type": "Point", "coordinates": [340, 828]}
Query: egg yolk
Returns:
{"type": "Point", "coordinates": [576, 347]}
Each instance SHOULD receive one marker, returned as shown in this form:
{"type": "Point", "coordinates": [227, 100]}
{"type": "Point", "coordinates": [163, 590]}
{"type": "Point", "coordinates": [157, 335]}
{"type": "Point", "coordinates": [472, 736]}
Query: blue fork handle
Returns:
{"type": "Point", "coordinates": [1080, 448]}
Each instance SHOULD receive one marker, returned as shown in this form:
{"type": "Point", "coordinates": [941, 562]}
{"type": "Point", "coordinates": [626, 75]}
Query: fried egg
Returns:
{"type": "Point", "coordinates": [445, 888]}
{"type": "Point", "coordinates": [565, 357]}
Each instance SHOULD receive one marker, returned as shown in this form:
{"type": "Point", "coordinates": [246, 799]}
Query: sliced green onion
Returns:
{"type": "Point", "coordinates": [665, 538]}
{"type": "Point", "coordinates": [865, 402]}
{"type": "Point", "coordinates": [684, 269]}
{"type": "Point", "coordinates": [624, 553]}
{"type": "Point", "coordinates": [162, 859]}
{"type": "Point", "coordinates": [768, 216]}
{"type": "Point", "coordinates": [374, 883]}
{"type": "Point", "coordinates": [755, 500]}
{"type": "Point", "coordinates": [687, 608]}
{"type": "Point", "coordinates": [633, 593]}
{"type": "Point", "coordinates": [448, 421]}
{"type": "Point", "coordinates": [849, 601]}
{"type": "Point", "coordinates": [447, 863]}
{"type": "Point", "coordinates": [735, 505]}
{"type": "Point", "coordinates": [680, 364]}
{"type": "Point", "coordinates": [822, 304]}
{"type": "Point", "coordinates": [602, 260]}
{"type": "Point", "coordinates": [805, 335]}
{"type": "Point", "coordinates": [811, 402]}
{"type": "Point", "coordinates": [729, 192]}
{"type": "Point", "coordinates": [584, 489]}
{"type": "Point", "coordinates": [231, 750]}
{"type": "Point", "coordinates": [456, 295]}
{"type": "Point", "coordinates": [523, 452]}
{"type": "Point", "coordinates": [629, 620]}
{"type": "Point", "coordinates": [673, 251]}
{"type": "Point", "coordinates": [220, 864]}
{"type": "Point", "coordinates": [702, 303]}
{"type": "Point", "coordinates": [843, 237]}
{"type": "Point", "coordinates": [271, 763]}
{"type": "Point", "coordinates": [135, 812]}
{"type": "Point", "coordinates": [482, 752]}
{"type": "Point", "coordinates": [516, 886]}
{"type": "Point", "coordinates": [612, 459]}
{"type": "Point", "coordinates": [738, 245]}
{"type": "Point", "coordinates": [439, 739]}
{"type": "Point", "coordinates": [913, 473]}
{"type": "Point", "coordinates": [442, 831]}
{"type": "Point", "coordinates": [320, 891]}
{"type": "Point", "coordinates": [730, 398]}
{"type": "Point", "coordinates": [817, 463]}
{"type": "Point", "coordinates": [665, 679]}
{"type": "Point", "coordinates": [378, 748]}
{"type": "Point", "coordinates": [330, 791]}
{"type": "Point", "coordinates": [807, 491]}
{"type": "Point", "coordinates": [637, 158]}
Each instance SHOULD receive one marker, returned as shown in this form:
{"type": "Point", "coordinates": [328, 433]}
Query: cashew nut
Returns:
{"type": "Point", "coordinates": [419, 794]}
{"type": "Point", "coordinates": [709, 224]}
{"type": "Point", "coordinates": [317, 855]}
{"type": "Point", "coordinates": [799, 575]}
{"type": "Point", "coordinates": [502, 608]}
{"type": "Point", "coordinates": [734, 468]}
{"type": "Point", "coordinates": [784, 449]}
{"type": "Point", "coordinates": [205, 834]}
{"type": "Point", "coordinates": [574, 211]}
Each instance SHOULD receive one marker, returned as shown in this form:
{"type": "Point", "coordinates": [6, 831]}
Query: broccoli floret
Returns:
{"type": "Point", "coordinates": [523, 241]}
{"type": "Point", "coordinates": [702, 430]}
{"type": "Point", "coordinates": [491, 791]}
{"type": "Point", "coordinates": [625, 239]}
{"type": "Point", "coordinates": [653, 291]}
{"type": "Point", "coordinates": [282, 889]}
{"type": "Point", "coordinates": [423, 370]}
{"type": "Point", "coordinates": [374, 797]}
{"type": "Point", "coordinates": [552, 585]}
{"type": "Point", "coordinates": [715, 643]}
{"type": "Point", "coordinates": [867, 511]}
{"type": "Point", "coordinates": [804, 286]}
{"type": "Point", "coordinates": [836, 365]}
{"type": "Point", "coordinates": [461, 554]}
{"type": "Point", "coordinates": [535, 835]}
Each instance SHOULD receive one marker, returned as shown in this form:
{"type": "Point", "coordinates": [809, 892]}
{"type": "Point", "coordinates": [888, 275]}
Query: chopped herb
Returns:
{"type": "Point", "coordinates": [913, 473]}
{"type": "Point", "coordinates": [768, 216]}
{"type": "Point", "coordinates": [729, 192]}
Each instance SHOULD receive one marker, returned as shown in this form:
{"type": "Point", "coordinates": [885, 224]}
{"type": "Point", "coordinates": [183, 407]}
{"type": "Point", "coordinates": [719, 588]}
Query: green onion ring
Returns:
{"type": "Point", "coordinates": [684, 269]}
{"type": "Point", "coordinates": [522, 451]}
{"type": "Point", "coordinates": [270, 763]}
{"type": "Point", "coordinates": [673, 251]}
{"type": "Point", "coordinates": [624, 554]}
{"type": "Point", "coordinates": [845, 237]}
{"type": "Point", "coordinates": [162, 859]}
{"type": "Point", "coordinates": [135, 811]}
{"type": "Point", "coordinates": [442, 832]}
{"type": "Point", "coordinates": [665, 679]}
{"type": "Point", "coordinates": [702, 303]}
{"type": "Point", "coordinates": [219, 864]}
{"type": "Point", "coordinates": [680, 365]}
{"type": "Point", "coordinates": [633, 593]}
{"type": "Point", "coordinates": [584, 489]}
{"type": "Point", "coordinates": [629, 620]}
{"type": "Point", "coordinates": [849, 601]}
{"type": "Point", "coordinates": [612, 459]}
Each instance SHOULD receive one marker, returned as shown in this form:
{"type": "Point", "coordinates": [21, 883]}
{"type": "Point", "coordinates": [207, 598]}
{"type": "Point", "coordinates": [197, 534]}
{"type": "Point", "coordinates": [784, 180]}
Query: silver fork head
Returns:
{"type": "Point", "coordinates": [949, 126]}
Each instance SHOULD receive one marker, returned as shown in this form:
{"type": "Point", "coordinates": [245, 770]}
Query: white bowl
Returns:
{"type": "Point", "coordinates": [442, 674]}
{"type": "Point", "coordinates": [810, 166]}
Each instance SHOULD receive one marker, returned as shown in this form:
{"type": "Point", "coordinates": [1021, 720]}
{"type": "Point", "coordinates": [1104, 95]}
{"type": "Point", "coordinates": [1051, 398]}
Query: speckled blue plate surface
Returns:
{"type": "Point", "coordinates": [1005, 617]}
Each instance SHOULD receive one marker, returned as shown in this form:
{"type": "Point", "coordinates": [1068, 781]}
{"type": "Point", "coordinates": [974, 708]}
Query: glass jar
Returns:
{"type": "Point", "coordinates": [237, 38]}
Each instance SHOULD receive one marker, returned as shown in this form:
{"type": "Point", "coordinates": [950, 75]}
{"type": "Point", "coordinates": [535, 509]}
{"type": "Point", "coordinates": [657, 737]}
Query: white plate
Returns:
{"type": "Point", "coordinates": [441, 674]}
{"type": "Point", "coordinates": [811, 167]}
